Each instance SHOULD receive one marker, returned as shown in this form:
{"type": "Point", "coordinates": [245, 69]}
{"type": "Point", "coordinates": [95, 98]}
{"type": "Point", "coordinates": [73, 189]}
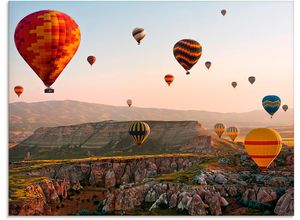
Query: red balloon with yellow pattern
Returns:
{"type": "Point", "coordinates": [47, 40]}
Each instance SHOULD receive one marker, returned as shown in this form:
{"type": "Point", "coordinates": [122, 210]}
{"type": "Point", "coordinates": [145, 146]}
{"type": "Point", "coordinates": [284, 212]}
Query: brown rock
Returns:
{"type": "Point", "coordinates": [285, 205]}
{"type": "Point", "coordinates": [110, 179]}
{"type": "Point", "coordinates": [197, 206]}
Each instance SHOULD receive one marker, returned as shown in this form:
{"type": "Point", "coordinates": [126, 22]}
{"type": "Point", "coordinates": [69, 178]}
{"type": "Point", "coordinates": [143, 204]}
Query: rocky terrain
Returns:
{"type": "Point", "coordinates": [153, 185]}
{"type": "Point", "coordinates": [111, 138]}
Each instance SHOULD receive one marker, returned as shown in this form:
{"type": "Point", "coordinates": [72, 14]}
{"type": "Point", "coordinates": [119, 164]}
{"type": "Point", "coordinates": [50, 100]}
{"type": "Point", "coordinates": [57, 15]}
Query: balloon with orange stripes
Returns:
{"type": "Point", "coordinates": [169, 79]}
{"type": "Point", "coordinates": [263, 145]}
{"type": "Point", "coordinates": [187, 52]}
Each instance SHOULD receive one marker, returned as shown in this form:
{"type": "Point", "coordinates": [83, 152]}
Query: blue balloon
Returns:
{"type": "Point", "coordinates": [271, 104]}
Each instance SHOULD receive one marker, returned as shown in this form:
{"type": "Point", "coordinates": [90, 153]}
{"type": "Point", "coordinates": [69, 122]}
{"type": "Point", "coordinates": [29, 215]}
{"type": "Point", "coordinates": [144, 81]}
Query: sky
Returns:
{"type": "Point", "coordinates": [254, 38]}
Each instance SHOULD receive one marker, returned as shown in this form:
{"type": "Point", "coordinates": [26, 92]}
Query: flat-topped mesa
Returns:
{"type": "Point", "coordinates": [112, 136]}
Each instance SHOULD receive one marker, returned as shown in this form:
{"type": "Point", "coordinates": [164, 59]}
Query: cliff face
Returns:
{"type": "Point", "coordinates": [112, 137]}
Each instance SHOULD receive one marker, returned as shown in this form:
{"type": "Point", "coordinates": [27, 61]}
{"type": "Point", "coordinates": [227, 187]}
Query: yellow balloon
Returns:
{"type": "Point", "coordinates": [263, 145]}
{"type": "Point", "coordinates": [232, 132]}
{"type": "Point", "coordinates": [219, 129]}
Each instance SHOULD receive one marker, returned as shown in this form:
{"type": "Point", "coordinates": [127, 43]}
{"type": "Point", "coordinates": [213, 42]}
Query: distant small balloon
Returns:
{"type": "Point", "coordinates": [19, 90]}
{"type": "Point", "coordinates": [129, 102]}
{"type": "Point", "coordinates": [138, 34]}
{"type": "Point", "coordinates": [208, 64]}
{"type": "Point", "coordinates": [232, 132]}
{"type": "Point", "coordinates": [91, 60]}
{"type": "Point", "coordinates": [285, 107]}
{"type": "Point", "coordinates": [219, 129]}
{"type": "Point", "coordinates": [234, 84]}
{"type": "Point", "coordinates": [223, 12]}
{"type": "Point", "coordinates": [169, 79]}
{"type": "Point", "coordinates": [251, 79]}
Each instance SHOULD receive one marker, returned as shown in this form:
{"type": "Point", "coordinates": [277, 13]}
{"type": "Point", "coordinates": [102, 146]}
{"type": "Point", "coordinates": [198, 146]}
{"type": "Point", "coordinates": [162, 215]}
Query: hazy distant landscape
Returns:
{"type": "Point", "coordinates": [27, 117]}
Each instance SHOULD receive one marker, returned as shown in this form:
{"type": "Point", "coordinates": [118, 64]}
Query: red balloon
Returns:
{"type": "Point", "coordinates": [47, 40]}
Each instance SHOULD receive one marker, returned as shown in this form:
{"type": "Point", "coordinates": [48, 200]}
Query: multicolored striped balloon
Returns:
{"type": "Point", "coordinates": [47, 40]}
{"type": "Point", "coordinates": [271, 104]}
{"type": "Point", "coordinates": [91, 60]}
{"type": "Point", "coordinates": [232, 132]}
{"type": "Point", "coordinates": [139, 131]}
{"type": "Point", "coordinates": [169, 79]}
{"type": "Point", "coordinates": [138, 34]}
{"type": "Point", "coordinates": [263, 145]}
{"type": "Point", "coordinates": [19, 90]}
{"type": "Point", "coordinates": [219, 129]}
{"type": "Point", "coordinates": [187, 52]}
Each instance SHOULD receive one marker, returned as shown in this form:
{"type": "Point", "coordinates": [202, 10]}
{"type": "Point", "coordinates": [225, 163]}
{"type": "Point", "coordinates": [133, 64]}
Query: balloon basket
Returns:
{"type": "Point", "coordinates": [49, 90]}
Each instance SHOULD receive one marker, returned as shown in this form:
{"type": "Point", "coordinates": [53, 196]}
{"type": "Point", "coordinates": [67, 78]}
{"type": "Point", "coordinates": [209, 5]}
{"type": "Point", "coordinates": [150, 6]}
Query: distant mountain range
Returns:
{"type": "Point", "coordinates": [26, 117]}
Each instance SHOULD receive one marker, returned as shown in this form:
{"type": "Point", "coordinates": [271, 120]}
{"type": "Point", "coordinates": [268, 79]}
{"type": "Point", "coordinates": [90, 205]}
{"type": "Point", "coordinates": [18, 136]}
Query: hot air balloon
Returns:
{"type": "Point", "coordinates": [234, 84]}
{"type": "Point", "coordinates": [223, 12]}
{"type": "Point", "coordinates": [91, 60]}
{"type": "Point", "coordinates": [47, 40]}
{"type": "Point", "coordinates": [207, 64]}
{"type": "Point", "coordinates": [139, 131]}
{"type": "Point", "coordinates": [271, 104]}
{"type": "Point", "coordinates": [169, 79]}
{"type": "Point", "coordinates": [129, 102]}
{"type": "Point", "coordinates": [251, 79]}
{"type": "Point", "coordinates": [285, 107]}
{"type": "Point", "coordinates": [19, 90]}
{"type": "Point", "coordinates": [138, 34]}
{"type": "Point", "coordinates": [187, 52]}
{"type": "Point", "coordinates": [263, 145]}
{"type": "Point", "coordinates": [219, 129]}
{"type": "Point", "coordinates": [232, 132]}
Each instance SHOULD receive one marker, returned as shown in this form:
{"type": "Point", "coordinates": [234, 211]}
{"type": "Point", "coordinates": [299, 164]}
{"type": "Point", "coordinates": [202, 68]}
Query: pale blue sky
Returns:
{"type": "Point", "coordinates": [254, 38]}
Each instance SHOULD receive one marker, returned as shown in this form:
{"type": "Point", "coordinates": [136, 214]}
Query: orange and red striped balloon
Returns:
{"type": "Point", "coordinates": [187, 52]}
{"type": "Point", "coordinates": [47, 40]}
{"type": "Point", "coordinates": [169, 79]}
{"type": "Point", "coordinates": [19, 90]}
{"type": "Point", "coordinates": [263, 145]}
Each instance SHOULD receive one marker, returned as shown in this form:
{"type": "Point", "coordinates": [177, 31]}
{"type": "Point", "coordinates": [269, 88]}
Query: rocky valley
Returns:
{"type": "Point", "coordinates": [179, 184]}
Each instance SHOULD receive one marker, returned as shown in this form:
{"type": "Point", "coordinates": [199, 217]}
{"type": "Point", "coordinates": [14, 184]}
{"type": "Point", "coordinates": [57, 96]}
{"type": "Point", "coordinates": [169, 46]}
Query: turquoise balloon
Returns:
{"type": "Point", "coordinates": [271, 104]}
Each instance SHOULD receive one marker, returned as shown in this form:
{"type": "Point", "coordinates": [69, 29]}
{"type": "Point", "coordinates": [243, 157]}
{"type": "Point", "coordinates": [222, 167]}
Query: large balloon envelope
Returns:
{"type": "Point", "coordinates": [263, 145]}
{"type": "Point", "coordinates": [169, 79]}
{"type": "Point", "coordinates": [285, 107]}
{"type": "Point", "coordinates": [187, 52]}
{"type": "Point", "coordinates": [139, 131]}
{"type": "Point", "coordinates": [271, 104]}
{"type": "Point", "coordinates": [232, 132]}
{"type": "Point", "coordinates": [91, 60]}
{"type": "Point", "coordinates": [47, 40]}
{"type": "Point", "coordinates": [138, 34]}
{"type": "Point", "coordinates": [219, 129]}
{"type": "Point", "coordinates": [19, 90]}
